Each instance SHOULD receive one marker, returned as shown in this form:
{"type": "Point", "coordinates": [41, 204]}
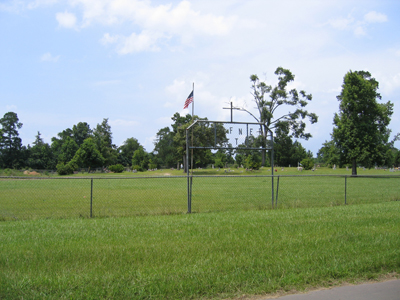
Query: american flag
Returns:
{"type": "Point", "coordinates": [188, 100]}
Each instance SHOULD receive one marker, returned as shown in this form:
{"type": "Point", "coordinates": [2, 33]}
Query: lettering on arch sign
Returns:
{"type": "Point", "coordinates": [227, 135]}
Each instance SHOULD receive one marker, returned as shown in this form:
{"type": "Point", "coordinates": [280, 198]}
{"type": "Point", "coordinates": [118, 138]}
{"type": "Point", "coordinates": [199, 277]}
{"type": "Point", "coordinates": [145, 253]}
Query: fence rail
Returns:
{"type": "Point", "coordinates": [71, 197]}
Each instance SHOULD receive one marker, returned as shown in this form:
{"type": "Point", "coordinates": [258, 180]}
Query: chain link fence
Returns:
{"type": "Point", "coordinates": [60, 197]}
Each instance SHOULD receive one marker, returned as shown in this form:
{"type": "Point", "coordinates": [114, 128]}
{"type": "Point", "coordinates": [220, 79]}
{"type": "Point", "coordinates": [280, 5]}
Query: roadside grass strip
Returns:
{"type": "Point", "coordinates": [198, 256]}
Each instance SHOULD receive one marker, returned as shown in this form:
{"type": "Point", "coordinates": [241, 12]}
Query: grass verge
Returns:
{"type": "Point", "coordinates": [213, 255]}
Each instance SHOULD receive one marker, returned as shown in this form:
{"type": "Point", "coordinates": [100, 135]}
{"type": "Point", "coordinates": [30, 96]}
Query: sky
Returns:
{"type": "Point", "coordinates": [135, 61]}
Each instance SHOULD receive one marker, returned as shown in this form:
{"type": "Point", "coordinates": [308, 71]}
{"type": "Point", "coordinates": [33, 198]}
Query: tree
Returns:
{"type": "Point", "coordinates": [67, 150]}
{"type": "Point", "coordinates": [10, 142]}
{"type": "Point", "coordinates": [298, 153]}
{"type": "Point", "coordinates": [103, 138]}
{"type": "Point", "coordinates": [203, 136]}
{"type": "Point", "coordinates": [250, 159]}
{"type": "Point", "coordinates": [40, 155]}
{"type": "Point", "coordinates": [269, 99]}
{"type": "Point", "coordinates": [57, 145]}
{"type": "Point", "coordinates": [81, 132]}
{"type": "Point", "coordinates": [140, 159]}
{"type": "Point", "coordinates": [88, 156]}
{"type": "Point", "coordinates": [125, 152]}
{"type": "Point", "coordinates": [360, 128]}
{"type": "Point", "coordinates": [283, 146]}
{"type": "Point", "coordinates": [179, 142]}
{"type": "Point", "coordinates": [329, 155]}
{"type": "Point", "coordinates": [69, 140]}
{"type": "Point", "coordinates": [164, 148]}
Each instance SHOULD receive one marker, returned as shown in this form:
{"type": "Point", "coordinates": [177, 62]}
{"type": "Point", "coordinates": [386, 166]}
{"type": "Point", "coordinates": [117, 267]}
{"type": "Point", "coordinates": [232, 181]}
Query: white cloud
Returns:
{"type": "Point", "coordinates": [66, 19]}
{"type": "Point", "coordinates": [16, 6]}
{"type": "Point", "coordinates": [37, 3]}
{"type": "Point", "coordinates": [375, 17]}
{"type": "Point", "coordinates": [359, 27]}
{"type": "Point", "coordinates": [157, 23]}
{"type": "Point", "coordinates": [341, 23]}
{"type": "Point", "coordinates": [145, 41]}
{"type": "Point", "coordinates": [359, 31]}
{"type": "Point", "coordinates": [392, 83]}
{"type": "Point", "coordinates": [49, 58]}
{"type": "Point", "coordinates": [177, 87]}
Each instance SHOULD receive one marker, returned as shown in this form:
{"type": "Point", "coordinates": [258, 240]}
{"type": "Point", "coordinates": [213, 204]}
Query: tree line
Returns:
{"type": "Point", "coordinates": [360, 135]}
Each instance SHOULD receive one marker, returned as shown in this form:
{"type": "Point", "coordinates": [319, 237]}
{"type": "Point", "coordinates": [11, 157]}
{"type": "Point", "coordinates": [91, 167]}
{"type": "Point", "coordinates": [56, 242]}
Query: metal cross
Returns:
{"type": "Point", "coordinates": [231, 108]}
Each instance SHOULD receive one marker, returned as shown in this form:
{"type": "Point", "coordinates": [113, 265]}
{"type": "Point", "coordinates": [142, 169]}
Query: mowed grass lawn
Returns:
{"type": "Point", "coordinates": [198, 256]}
{"type": "Point", "coordinates": [60, 197]}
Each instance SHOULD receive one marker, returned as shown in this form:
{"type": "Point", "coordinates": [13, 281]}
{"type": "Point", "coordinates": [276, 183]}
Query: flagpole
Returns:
{"type": "Point", "coordinates": [193, 102]}
{"type": "Point", "coordinates": [192, 130]}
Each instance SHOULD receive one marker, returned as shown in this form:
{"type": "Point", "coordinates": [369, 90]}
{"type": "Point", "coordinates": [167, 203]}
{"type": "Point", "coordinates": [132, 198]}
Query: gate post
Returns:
{"type": "Point", "coordinates": [189, 196]}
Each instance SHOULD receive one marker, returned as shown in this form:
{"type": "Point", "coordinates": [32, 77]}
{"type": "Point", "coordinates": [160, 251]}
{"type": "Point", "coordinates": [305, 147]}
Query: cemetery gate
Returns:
{"type": "Point", "coordinates": [234, 136]}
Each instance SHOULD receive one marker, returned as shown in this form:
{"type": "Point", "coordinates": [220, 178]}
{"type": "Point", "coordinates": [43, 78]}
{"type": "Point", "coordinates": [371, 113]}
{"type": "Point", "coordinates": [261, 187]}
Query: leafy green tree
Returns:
{"type": "Point", "coordinates": [307, 163]}
{"type": "Point", "coordinates": [253, 162]}
{"type": "Point", "coordinates": [69, 140]}
{"type": "Point", "coordinates": [178, 125]}
{"type": "Point", "coordinates": [58, 142]}
{"type": "Point", "coordinates": [118, 168]}
{"type": "Point", "coordinates": [269, 100]}
{"type": "Point", "coordinates": [223, 157]}
{"type": "Point", "coordinates": [164, 148]}
{"type": "Point", "coordinates": [125, 152]}
{"type": "Point", "coordinates": [140, 158]}
{"type": "Point", "coordinates": [329, 155]}
{"type": "Point", "coordinates": [203, 136]}
{"type": "Point", "coordinates": [397, 159]}
{"type": "Point", "coordinates": [360, 128]}
{"type": "Point", "coordinates": [88, 156]}
{"type": "Point", "coordinates": [41, 157]}
{"type": "Point", "coordinates": [283, 146]}
{"type": "Point", "coordinates": [242, 153]}
{"type": "Point", "coordinates": [10, 142]}
{"type": "Point", "coordinates": [103, 138]}
{"type": "Point", "coordinates": [81, 132]}
{"type": "Point", "coordinates": [68, 150]}
{"type": "Point", "coordinates": [298, 153]}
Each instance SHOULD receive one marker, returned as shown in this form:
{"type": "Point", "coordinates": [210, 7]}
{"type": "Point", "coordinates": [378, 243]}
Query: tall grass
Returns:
{"type": "Point", "coordinates": [213, 255]}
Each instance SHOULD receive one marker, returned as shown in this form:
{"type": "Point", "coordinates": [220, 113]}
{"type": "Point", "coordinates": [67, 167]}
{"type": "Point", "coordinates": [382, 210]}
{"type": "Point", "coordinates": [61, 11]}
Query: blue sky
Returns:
{"type": "Point", "coordinates": [134, 61]}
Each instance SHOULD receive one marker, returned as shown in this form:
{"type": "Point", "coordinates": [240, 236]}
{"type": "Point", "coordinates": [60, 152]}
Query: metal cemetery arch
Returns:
{"type": "Point", "coordinates": [244, 130]}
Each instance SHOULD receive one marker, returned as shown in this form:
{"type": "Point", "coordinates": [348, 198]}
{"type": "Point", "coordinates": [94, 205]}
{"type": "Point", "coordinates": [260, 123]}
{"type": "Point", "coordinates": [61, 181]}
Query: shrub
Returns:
{"type": "Point", "coordinates": [307, 163]}
{"type": "Point", "coordinates": [64, 169]}
{"type": "Point", "coordinates": [137, 168]}
{"type": "Point", "coordinates": [118, 168]}
{"type": "Point", "coordinates": [252, 162]}
{"type": "Point", "coordinates": [218, 163]}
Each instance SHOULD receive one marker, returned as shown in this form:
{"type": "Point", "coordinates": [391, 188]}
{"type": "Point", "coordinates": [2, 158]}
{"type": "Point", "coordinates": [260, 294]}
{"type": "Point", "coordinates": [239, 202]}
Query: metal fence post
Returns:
{"type": "Point", "coordinates": [189, 192]}
{"type": "Point", "coordinates": [277, 191]}
{"type": "Point", "coordinates": [345, 189]}
{"type": "Point", "coordinates": [91, 198]}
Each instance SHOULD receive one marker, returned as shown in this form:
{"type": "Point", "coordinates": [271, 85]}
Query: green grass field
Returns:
{"type": "Point", "coordinates": [116, 195]}
{"type": "Point", "coordinates": [199, 256]}
{"type": "Point", "coordinates": [233, 244]}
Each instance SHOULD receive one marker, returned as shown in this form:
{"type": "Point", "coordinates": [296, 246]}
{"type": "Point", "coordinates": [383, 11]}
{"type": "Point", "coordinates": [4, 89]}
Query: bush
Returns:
{"type": "Point", "coordinates": [218, 163]}
{"type": "Point", "coordinates": [307, 163]}
{"type": "Point", "coordinates": [118, 168]}
{"type": "Point", "coordinates": [64, 169]}
{"type": "Point", "coordinates": [252, 162]}
{"type": "Point", "coordinates": [137, 168]}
